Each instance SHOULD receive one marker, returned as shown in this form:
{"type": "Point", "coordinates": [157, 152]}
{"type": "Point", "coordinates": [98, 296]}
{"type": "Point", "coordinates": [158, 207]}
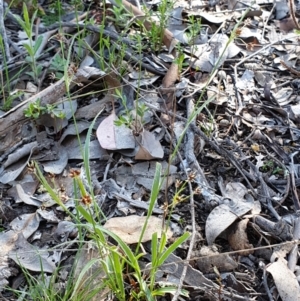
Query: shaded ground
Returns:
{"type": "Point", "coordinates": [208, 90]}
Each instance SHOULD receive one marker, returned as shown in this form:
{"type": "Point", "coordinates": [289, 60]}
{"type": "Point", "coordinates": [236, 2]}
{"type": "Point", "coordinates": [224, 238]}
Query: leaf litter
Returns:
{"type": "Point", "coordinates": [241, 152]}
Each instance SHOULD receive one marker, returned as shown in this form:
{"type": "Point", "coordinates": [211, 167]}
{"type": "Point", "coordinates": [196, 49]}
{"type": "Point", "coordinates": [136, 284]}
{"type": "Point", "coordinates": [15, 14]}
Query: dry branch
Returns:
{"type": "Point", "coordinates": [13, 122]}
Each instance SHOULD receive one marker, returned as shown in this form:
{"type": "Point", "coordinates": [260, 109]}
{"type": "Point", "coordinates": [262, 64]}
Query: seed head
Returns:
{"type": "Point", "coordinates": [74, 173]}
{"type": "Point", "coordinates": [192, 177]}
{"type": "Point", "coordinates": [86, 200]}
{"type": "Point", "coordinates": [178, 183]}
{"type": "Point", "coordinates": [198, 191]}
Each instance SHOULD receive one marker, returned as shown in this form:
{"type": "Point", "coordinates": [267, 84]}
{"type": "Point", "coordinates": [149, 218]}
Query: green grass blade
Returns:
{"type": "Point", "coordinates": [29, 50]}
{"type": "Point", "coordinates": [155, 188]}
{"type": "Point", "coordinates": [169, 290]}
{"type": "Point", "coordinates": [153, 198]}
{"type": "Point", "coordinates": [154, 248]}
{"type": "Point", "coordinates": [162, 243]}
{"type": "Point", "coordinates": [26, 20]}
{"type": "Point", "coordinates": [118, 273]}
{"type": "Point", "coordinates": [172, 248]}
{"type": "Point", "coordinates": [79, 280]}
{"type": "Point", "coordinates": [86, 154]}
{"type": "Point", "coordinates": [37, 44]}
{"type": "Point", "coordinates": [49, 189]}
{"type": "Point", "coordinates": [85, 214]}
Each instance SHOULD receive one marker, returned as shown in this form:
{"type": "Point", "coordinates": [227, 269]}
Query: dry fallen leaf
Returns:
{"type": "Point", "coordinates": [150, 148]}
{"type": "Point", "coordinates": [114, 137]}
{"type": "Point", "coordinates": [210, 257]}
{"type": "Point", "coordinates": [129, 228]}
{"type": "Point", "coordinates": [285, 280]}
{"type": "Point", "coordinates": [235, 206]}
{"type": "Point", "coordinates": [238, 238]}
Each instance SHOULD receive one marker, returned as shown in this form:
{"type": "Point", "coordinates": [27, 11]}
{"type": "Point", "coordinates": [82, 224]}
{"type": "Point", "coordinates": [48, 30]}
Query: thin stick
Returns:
{"type": "Point", "coordinates": [190, 109]}
{"type": "Point", "coordinates": [258, 51]}
{"type": "Point", "coordinates": [3, 32]}
{"type": "Point", "coordinates": [292, 12]}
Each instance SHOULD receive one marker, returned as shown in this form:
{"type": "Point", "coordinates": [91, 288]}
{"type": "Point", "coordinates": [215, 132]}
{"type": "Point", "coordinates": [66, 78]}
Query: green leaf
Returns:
{"type": "Point", "coordinates": [172, 248]}
{"type": "Point", "coordinates": [155, 188]}
{"type": "Point", "coordinates": [29, 50]}
{"type": "Point", "coordinates": [59, 75]}
{"type": "Point", "coordinates": [36, 115]}
{"type": "Point", "coordinates": [58, 63]}
{"type": "Point", "coordinates": [86, 155]}
{"type": "Point", "coordinates": [153, 198]}
{"type": "Point", "coordinates": [37, 44]}
{"type": "Point", "coordinates": [26, 21]}
{"type": "Point", "coordinates": [85, 214]}
{"type": "Point", "coordinates": [123, 119]}
{"type": "Point", "coordinates": [49, 189]}
{"type": "Point", "coordinates": [169, 290]}
{"type": "Point", "coordinates": [39, 69]}
{"type": "Point", "coordinates": [118, 272]}
{"type": "Point", "coordinates": [162, 243]}
{"type": "Point", "coordinates": [30, 73]}
{"type": "Point", "coordinates": [118, 122]}
{"type": "Point", "coordinates": [27, 113]}
{"type": "Point", "coordinates": [140, 112]}
{"type": "Point", "coordinates": [81, 276]}
{"type": "Point", "coordinates": [154, 249]}
{"type": "Point", "coordinates": [148, 293]}
{"type": "Point", "coordinates": [21, 22]}
{"type": "Point", "coordinates": [130, 258]}
{"type": "Point", "coordinates": [33, 17]}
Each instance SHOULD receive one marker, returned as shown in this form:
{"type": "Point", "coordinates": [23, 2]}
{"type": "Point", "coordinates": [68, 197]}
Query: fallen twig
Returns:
{"type": "Point", "coordinates": [3, 33]}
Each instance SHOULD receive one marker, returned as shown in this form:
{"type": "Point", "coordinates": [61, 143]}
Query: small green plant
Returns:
{"type": "Point", "coordinates": [35, 110]}
{"type": "Point", "coordinates": [123, 273]}
{"type": "Point", "coordinates": [164, 9]}
{"type": "Point", "coordinates": [110, 54]}
{"type": "Point", "coordinates": [268, 165]}
{"type": "Point", "coordinates": [54, 14]}
{"type": "Point", "coordinates": [57, 66]}
{"type": "Point", "coordinates": [194, 28]}
{"type": "Point", "coordinates": [207, 126]}
{"type": "Point", "coordinates": [44, 288]}
{"type": "Point", "coordinates": [278, 170]}
{"type": "Point", "coordinates": [122, 258]}
{"type": "Point", "coordinates": [8, 100]}
{"type": "Point", "coordinates": [121, 16]}
{"type": "Point", "coordinates": [32, 46]}
{"type": "Point", "coordinates": [179, 60]}
{"type": "Point", "coordinates": [155, 33]}
{"type": "Point", "coordinates": [129, 119]}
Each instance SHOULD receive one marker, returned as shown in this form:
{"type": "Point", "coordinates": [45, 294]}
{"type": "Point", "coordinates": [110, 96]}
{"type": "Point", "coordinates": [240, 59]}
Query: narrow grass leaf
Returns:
{"type": "Point", "coordinates": [37, 44]}
{"type": "Point", "coordinates": [26, 23]}
{"type": "Point", "coordinates": [169, 290]}
{"type": "Point", "coordinates": [118, 272]}
{"type": "Point", "coordinates": [85, 214]}
{"type": "Point", "coordinates": [155, 188]}
{"type": "Point", "coordinates": [130, 257]}
{"type": "Point", "coordinates": [79, 280]}
{"type": "Point", "coordinates": [154, 249]}
{"type": "Point", "coordinates": [153, 198]}
{"type": "Point", "coordinates": [148, 293]}
{"type": "Point", "coordinates": [162, 242]}
{"type": "Point", "coordinates": [49, 189]}
{"type": "Point", "coordinates": [29, 50]}
{"type": "Point", "coordinates": [86, 155]}
{"type": "Point", "coordinates": [173, 247]}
